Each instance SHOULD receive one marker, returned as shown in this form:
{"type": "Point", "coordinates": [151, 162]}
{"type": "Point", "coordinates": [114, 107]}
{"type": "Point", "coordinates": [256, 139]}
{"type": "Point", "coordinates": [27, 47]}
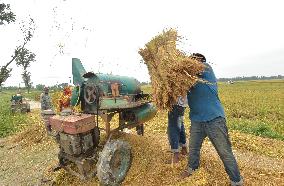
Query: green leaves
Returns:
{"type": "Point", "coordinates": [24, 58]}
{"type": "Point", "coordinates": [6, 15]}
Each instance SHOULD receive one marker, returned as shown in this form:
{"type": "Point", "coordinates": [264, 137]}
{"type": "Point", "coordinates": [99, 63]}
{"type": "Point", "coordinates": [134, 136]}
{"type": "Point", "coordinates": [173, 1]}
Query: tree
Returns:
{"type": "Point", "coordinates": [27, 30]}
{"type": "Point", "coordinates": [24, 59]}
{"type": "Point", "coordinates": [6, 15]}
{"type": "Point", "coordinates": [39, 87]}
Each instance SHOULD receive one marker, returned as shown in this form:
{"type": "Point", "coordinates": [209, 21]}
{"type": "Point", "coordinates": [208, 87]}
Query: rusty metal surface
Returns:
{"type": "Point", "coordinates": [73, 124]}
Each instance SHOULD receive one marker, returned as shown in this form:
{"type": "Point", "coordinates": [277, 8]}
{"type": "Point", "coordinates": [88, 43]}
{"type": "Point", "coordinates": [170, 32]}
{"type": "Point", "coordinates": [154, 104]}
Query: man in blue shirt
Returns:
{"type": "Point", "coordinates": [208, 120]}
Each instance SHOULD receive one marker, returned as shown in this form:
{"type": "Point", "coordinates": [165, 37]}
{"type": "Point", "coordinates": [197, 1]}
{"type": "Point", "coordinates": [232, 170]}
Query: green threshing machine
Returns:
{"type": "Point", "coordinates": [78, 135]}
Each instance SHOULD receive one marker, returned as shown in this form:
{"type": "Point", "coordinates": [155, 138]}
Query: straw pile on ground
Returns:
{"type": "Point", "coordinates": [172, 72]}
{"type": "Point", "coordinates": [261, 160]}
{"type": "Point", "coordinates": [32, 133]}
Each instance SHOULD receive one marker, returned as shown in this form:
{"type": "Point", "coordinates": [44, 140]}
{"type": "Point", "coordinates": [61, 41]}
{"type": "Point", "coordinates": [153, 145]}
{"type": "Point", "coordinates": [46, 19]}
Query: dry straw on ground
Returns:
{"type": "Point", "coordinates": [172, 72]}
{"type": "Point", "coordinates": [26, 160]}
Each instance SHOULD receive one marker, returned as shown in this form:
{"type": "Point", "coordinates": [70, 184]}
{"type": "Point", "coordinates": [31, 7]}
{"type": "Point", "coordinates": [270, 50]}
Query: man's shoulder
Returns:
{"type": "Point", "coordinates": [208, 74]}
{"type": "Point", "coordinates": [208, 67]}
{"type": "Point", "coordinates": [44, 96]}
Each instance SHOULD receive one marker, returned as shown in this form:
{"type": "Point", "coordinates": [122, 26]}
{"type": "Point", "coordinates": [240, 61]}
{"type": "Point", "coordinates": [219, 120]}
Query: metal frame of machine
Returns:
{"type": "Point", "coordinates": [78, 135]}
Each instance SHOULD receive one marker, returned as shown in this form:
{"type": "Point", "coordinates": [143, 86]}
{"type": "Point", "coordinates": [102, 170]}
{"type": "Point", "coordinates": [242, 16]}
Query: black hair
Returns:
{"type": "Point", "coordinates": [199, 57]}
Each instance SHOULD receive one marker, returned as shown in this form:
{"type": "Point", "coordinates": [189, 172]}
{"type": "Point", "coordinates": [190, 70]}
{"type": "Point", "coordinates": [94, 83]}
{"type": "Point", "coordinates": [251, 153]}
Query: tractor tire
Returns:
{"type": "Point", "coordinates": [114, 162]}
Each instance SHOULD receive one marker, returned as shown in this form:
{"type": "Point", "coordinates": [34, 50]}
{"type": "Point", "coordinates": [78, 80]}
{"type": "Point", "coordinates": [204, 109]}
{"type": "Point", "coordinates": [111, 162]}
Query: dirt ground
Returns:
{"type": "Point", "coordinates": [27, 158]}
{"type": "Point", "coordinates": [34, 104]}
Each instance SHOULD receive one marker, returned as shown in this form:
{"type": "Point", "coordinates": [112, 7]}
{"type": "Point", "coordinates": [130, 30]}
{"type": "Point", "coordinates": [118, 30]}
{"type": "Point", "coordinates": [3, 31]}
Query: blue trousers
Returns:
{"type": "Point", "coordinates": [176, 131]}
{"type": "Point", "coordinates": [217, 132]}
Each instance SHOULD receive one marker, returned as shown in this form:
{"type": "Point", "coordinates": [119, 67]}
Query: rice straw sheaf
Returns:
{"type": "Point", "coordinates": [171, 71]}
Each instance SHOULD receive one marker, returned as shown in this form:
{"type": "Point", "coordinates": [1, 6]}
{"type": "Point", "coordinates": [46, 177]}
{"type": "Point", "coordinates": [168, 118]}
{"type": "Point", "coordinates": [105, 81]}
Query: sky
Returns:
{"type": "Point", "coordinates": [238, 38]}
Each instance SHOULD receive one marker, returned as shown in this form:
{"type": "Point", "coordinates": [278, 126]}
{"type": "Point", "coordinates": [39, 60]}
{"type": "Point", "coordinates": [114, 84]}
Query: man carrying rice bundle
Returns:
{"type": "Point", "coordinates": [174, 74]}
{"type": "Point", "coordinates": [208, 120]}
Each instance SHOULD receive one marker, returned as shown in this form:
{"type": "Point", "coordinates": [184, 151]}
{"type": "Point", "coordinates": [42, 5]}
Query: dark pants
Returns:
{"type": "Point", "coordinates": [176, 132]}
{"type": "Point", "coordinates": [217, 132]}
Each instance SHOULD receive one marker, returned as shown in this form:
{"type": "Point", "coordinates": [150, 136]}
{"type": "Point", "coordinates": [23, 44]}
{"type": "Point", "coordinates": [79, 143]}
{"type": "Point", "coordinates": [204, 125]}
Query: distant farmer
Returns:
{"type": "Point", "coordinates": [176, 132]}
{"type": "Point", "coordinates": [46, 108]}
{"type": "Point", "coordinates": [45, 100]}
{"type": "Point", "coordinates": [208, 120]}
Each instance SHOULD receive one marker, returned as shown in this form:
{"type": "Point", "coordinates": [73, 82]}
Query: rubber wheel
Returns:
{"type": "Point", "coordinates": [114, 162]}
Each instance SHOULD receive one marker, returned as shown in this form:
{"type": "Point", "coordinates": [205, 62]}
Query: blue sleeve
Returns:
{"type": "Point", "coordinates": [209, 76]}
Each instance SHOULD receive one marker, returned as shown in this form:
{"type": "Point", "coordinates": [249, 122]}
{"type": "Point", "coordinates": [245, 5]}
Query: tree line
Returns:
{"type": "Point", "coordinates": [243, 78]}
{"type": "Point", "coordinates": [38, 87]}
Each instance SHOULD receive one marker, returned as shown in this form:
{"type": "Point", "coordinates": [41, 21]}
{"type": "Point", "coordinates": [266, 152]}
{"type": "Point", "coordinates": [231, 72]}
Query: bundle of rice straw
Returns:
{"type": "Point", "coordinates": [172, 72]}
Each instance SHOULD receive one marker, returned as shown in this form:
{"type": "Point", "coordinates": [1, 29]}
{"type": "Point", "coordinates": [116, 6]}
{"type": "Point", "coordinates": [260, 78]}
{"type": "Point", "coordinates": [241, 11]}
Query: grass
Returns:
{"type": "Point", "coordinates": [10, 123]}
{"type": "Point", "coordinates": [254, 107]}
{"type": "Point", "coordinates": [251, 107]}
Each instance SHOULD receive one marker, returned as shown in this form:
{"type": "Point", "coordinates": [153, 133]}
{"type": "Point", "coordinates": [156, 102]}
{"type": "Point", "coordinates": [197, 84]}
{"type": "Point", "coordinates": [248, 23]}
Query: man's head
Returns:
{"type": "Point", "coordinates": [45, 90]}
{"type": "Point", "coordinates": [199, 57]}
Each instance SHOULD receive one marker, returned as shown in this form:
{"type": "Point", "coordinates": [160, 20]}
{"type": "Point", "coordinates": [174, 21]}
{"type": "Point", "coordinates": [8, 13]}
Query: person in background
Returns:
{"type": "Point", "coordinates": [46, 109]}
{"type": "Point", "coordinates": [176, 131]}
{"type": "Point", "coordinates": [45, 100]}
{"type": "Point", "coordinates": [208, 120]}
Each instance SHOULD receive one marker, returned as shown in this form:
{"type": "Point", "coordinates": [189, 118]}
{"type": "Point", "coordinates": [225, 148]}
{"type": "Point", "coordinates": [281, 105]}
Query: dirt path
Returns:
{"type": "Point", "coordinates": [24, 166]}
{"type": "Point", "coordinates": [34, 104]}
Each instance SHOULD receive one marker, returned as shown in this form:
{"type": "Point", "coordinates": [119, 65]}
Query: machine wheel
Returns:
{"type": "Point", "coordinates": [114, 162]}
{"type": "Point", "coordinates": [140, 129]}
{"type": "Point", "coordinates": [90, 93]}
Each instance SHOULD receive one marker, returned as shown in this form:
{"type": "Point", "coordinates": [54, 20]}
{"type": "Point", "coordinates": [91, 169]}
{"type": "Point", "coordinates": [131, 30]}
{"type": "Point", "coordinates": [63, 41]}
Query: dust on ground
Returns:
{"type": "Point", "coordinates": [27, 158]}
